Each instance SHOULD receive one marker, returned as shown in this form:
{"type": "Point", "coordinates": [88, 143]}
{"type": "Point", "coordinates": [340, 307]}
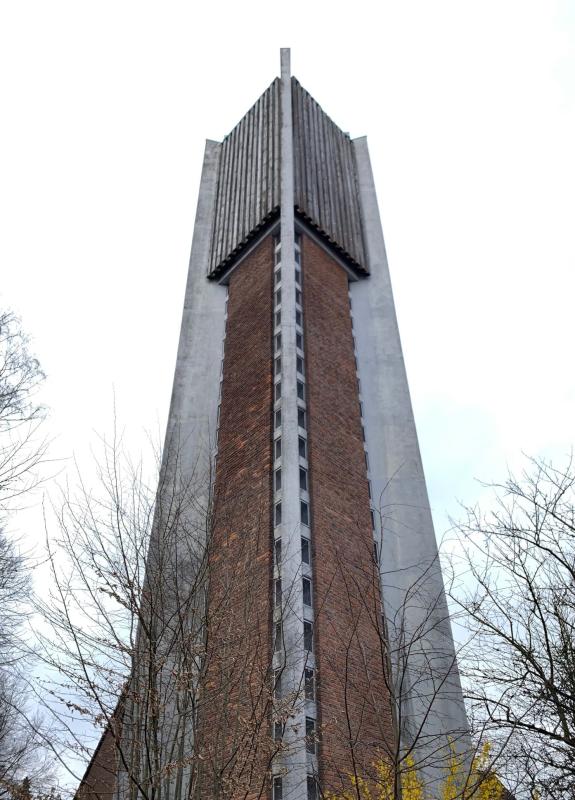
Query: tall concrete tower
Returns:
{"type": "Point", "coordinates": [326, 646]}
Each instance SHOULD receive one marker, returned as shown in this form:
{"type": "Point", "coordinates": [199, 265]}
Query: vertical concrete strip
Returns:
{"type": "Point", "coordinates": [293, 760]}
{"type": "Point", "coordinates": [190, 444]}
{"type": "Point", "coordinates": [432, 711]}
{"type": "Point", "coordinates": [192, 422]}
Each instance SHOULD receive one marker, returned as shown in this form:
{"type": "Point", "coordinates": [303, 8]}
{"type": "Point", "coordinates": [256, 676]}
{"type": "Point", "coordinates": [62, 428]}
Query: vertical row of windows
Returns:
{"type": "Point", "coordinates": [301, 394]}
{"type": "Point", "coordinates": [277, 453]}
{"type": "Point", "coordinates": [305, 515]}
{"type": "Point", "coordinates": [278, 643]}
{"type": "Point", "coordinates": [305, 518]}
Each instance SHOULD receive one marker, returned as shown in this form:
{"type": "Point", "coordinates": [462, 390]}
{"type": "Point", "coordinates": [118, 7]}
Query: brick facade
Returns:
{"type": "Point", "coordinates": [234, 723]}
{"type": "Point", "coordinates": [99, 781]}
{"type": "Point", "coordinates": [354, 709]}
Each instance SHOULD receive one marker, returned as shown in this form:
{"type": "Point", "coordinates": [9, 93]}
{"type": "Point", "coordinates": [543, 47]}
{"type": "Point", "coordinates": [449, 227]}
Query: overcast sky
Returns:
{"type": "Point", "coordinates": [469, 112]}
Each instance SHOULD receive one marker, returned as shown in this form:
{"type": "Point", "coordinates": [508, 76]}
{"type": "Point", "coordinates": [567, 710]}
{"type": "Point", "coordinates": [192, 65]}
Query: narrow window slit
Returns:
{"type": "Point", "coordinates": [309, 683]}
{"type": "Point", "coordinates": [306, 590]}
{"type": "Point", "coordinates": [307, 636]}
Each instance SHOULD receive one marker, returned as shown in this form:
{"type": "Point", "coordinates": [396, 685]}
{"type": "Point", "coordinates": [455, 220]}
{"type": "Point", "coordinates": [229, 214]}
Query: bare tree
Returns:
{"type": "Point", "coordinates": [516, 591]}
{"type": "Point", "coordinates": [143, 647]}
{"type": "Point", "coordinates": [21, 752]}
{"type": "Point", "coordinates": [20, 376]}
{"type": "Point", "coordinates": [14, 594]}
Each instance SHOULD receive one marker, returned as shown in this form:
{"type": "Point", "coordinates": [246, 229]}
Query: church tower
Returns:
{"type": "Point", "coordinates": [326, 647]}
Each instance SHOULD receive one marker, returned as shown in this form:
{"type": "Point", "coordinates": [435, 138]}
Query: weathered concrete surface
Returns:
{"type": "Point", "coordinates": [192, 419]}
{"type": "Point", "coordinates": [412, 587]}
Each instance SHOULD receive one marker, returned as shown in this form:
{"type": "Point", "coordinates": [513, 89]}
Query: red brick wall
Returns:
{"type": "Point", "coordinates": [234, 724]}
{"type": "Point", "coordinates": [99, 782]}
{"type": "Point", "coordinates": [354, 709]}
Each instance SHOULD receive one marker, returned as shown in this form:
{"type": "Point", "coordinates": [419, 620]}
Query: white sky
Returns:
{"type": "Point", "coordinates": [470, 116]}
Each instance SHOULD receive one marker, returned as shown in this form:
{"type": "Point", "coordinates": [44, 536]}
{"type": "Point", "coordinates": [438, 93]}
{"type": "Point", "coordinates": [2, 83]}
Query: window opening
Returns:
{"type": "Point", "coordinates": [308, 636]}
{"type": "Point", "coordinates": [306, 588]}
{"type": "Point", "coordinates": [278, 683]}
{"type": "Point", "coordinates": [305, 551]}
{"type": "Point", "coordinates": [309, 681]}
{"type": "Point", "coordinates": [310, 735]}
{"type": "Point", "coordinates": [311, 788]}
